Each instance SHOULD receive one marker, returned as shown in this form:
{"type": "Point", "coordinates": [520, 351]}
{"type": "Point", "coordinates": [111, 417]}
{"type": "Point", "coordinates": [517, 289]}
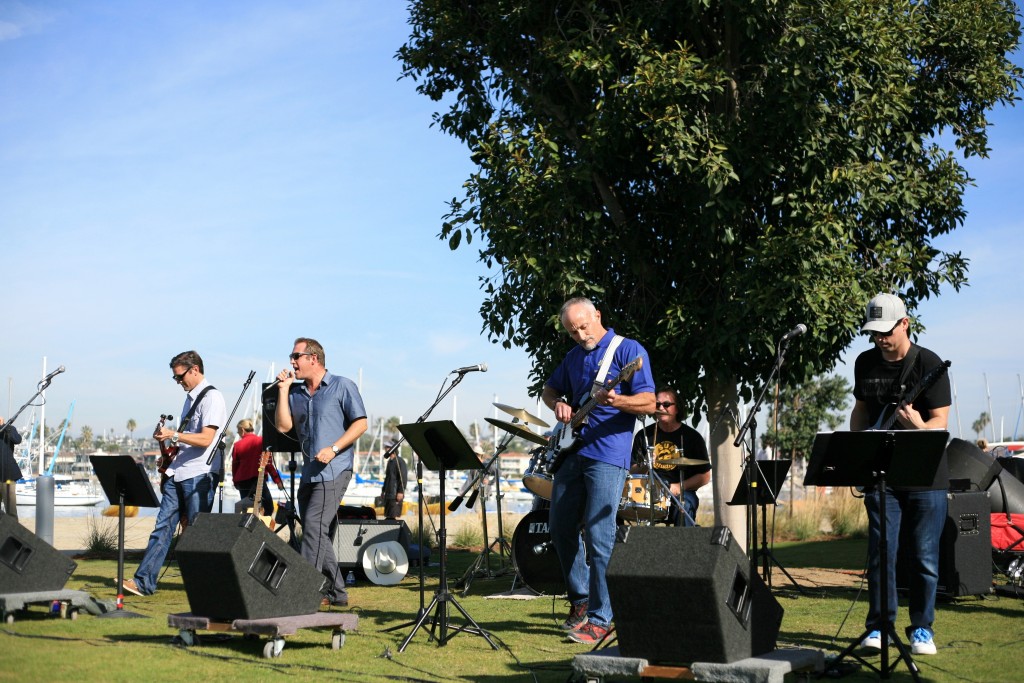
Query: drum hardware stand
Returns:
{"type": "Point", "coordinates": [442, 447]}
{"type": "Point", "coordinates": [865, 459]}
{"type": "Point", "coordinates": [482, 565]}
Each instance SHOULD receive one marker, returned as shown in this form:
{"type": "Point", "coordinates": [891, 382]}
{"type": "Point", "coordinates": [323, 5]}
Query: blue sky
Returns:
{"type": "Point", "coordinates": [228, 176]}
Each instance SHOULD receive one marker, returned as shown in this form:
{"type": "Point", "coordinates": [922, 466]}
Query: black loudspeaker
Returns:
{"type": "Point", "coordinates": [967, 461]}
{"type": "Point", "coordinates": [685, 594]}
{"type": "Point", "coordinates": [28, 563]}
{"type": "Point", "coordinates": [274, 440]}
{"type": "Point", "coordinates": [354, 535]}
{"type": "Point", "coordinates": [965, 549]}
{"type": "Point", "coordinates": [236, 572]}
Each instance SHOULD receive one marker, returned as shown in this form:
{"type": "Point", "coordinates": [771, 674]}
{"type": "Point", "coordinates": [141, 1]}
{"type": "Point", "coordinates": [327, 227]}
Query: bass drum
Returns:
{"type": "Point", "coordinates": [534, 557]}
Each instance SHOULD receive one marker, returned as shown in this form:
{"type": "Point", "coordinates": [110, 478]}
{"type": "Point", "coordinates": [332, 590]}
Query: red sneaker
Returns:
{"type": "Point", "coordinates": [589, 634]}
{"type": "Point", "coordinates": [577, 617]}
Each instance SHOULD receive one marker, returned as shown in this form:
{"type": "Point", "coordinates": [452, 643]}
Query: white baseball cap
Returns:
{"type": "Point", "coordinates": [883, 312]}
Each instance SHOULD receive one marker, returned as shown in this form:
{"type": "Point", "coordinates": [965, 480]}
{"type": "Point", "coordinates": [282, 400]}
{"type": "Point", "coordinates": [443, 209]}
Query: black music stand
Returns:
{"type": "Point", "coordinates": [770, 476]}
{"type": "Point", "coordinates": [869, 458]}
{"type": "Point", "coordinates": [124, 482]}
{"type": "Point", "coordinates": [442, 447]}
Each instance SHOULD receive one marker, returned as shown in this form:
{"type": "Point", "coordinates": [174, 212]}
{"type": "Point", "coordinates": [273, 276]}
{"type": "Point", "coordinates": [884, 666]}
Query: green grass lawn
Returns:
{"type": "Point", "coordinates": [978, 639]}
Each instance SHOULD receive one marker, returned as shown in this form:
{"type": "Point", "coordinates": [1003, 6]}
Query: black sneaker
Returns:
{"type": "Point", "coordinates": [577, 617]}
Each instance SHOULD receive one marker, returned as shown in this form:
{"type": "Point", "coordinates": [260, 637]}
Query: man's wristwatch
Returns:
{"type": "Point", "coordinates": [335, 448]}
{"type": "Point", "coordinates": [174, 438]}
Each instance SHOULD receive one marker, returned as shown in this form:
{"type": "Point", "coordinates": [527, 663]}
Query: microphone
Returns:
{"type": "Point", "coordinates": [470, 368]}
{"type": "Point", "coordinates": [542, 548]}
{"type": "Point", "coordinates": [272, 385]}
{"type": "Point", "coordinates": [795, 332]}
{"type": "Point", "coordinates": [53, 374]}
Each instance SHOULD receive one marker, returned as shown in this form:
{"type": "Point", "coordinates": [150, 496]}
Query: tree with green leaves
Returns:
{"type": "Point", "coordinates": [131, 425]}
{"type": "Point", "coordinates": [711, 172]}
{"type": "Point", "coordinates": [85, 438]}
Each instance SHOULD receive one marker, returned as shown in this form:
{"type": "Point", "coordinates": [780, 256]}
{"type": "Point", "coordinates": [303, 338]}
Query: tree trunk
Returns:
{"type": "Point", "coordinates": [726, 459]}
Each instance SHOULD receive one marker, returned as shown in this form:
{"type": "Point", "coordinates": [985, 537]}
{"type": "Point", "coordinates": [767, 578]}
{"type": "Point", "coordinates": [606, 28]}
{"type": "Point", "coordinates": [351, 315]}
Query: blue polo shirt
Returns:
{"type": "Point", "coordinates": [321, 419]}
{"type": "Point", "coordinates": [608, 432]}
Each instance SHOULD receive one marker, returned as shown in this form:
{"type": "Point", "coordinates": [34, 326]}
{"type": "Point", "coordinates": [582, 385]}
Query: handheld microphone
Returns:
{"type": "Point", "coordinates": [795, 332]}
{"type": "Point", "coordinates": [272, 385]}
{"type": "Point", "coordinates": [542, 548]}
{"type": "Point", "coordinates": [52, 374]}
{"type": "Point", "coordinates": [470, 368]}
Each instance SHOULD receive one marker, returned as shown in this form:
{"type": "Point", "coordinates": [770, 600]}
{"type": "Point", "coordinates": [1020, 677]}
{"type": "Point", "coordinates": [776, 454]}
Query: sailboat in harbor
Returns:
{"type": "Point", "coordinates": [68, 490]}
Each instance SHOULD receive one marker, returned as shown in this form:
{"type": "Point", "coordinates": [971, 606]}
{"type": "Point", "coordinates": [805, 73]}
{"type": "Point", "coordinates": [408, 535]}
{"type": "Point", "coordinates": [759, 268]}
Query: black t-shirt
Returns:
{"type": "Point", "coordinates": [684, 442]}
{"type": "Point", "coordinates": [877, 382]}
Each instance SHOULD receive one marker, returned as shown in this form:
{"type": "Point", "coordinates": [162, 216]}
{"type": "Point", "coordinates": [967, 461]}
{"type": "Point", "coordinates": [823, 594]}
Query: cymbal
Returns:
{"type": "Point", "coordinates": [521, 414]}
{"type": "Point", "coordinates": [682, 461]}
{"type": "Point", "coordinates": [518, 430]}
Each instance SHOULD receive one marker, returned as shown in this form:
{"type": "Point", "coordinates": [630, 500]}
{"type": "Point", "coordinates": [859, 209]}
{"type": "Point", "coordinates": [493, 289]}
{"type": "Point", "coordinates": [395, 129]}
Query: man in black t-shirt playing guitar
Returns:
{"type": "Point", "coordinates": [899, 385]}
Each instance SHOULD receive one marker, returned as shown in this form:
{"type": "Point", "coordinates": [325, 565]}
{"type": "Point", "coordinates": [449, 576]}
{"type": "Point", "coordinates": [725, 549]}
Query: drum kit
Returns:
{"type": "Point", "coordinates": [644, 500]}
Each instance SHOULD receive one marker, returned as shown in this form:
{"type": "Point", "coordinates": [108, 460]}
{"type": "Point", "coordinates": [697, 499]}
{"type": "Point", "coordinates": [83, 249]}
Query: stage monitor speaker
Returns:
{"type": "Point", "coordinates": [28, 563]}
{"type": "Point", "coordinates": [274, 440]}
{"type": "Point", "coordinates": [355, 535]}
{"type": "Point", "coordinates": [232, 571]}
{"type": "Point", "coordinates": [965, 549]}
{"type": "Point", "coordinates": [685, 594]}
{"type": "Point", "coordinates": [987, 473]}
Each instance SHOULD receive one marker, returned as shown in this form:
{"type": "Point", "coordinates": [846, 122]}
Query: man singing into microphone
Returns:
{"type": "Point", "coordinates": [588, 484]}
{"type": "Point", "coordinates": [328, 414]}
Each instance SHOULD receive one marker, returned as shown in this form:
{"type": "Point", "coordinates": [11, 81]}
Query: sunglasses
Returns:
{"type": "Point", "coordinates": [663, 404]}
{"type": "Point", "coordinates": [178, 378]}
{"type": "Point", "coordinates": [296, 355]}
{"type": "Point", "coordinates": [884, 335]}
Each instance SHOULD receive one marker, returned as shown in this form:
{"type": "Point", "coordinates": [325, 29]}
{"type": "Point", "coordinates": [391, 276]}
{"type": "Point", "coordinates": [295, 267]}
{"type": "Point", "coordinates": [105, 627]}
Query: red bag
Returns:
{"type": "Point", "coordinates": [1008, 534]}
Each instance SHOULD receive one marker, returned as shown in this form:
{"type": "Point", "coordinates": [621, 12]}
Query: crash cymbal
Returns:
{"type": "Point", "coordinates": [521, 414]}
{"type": "Point", "coordinates": [518, 430]}
{"type": "Point", "coordinates": [682, 461]}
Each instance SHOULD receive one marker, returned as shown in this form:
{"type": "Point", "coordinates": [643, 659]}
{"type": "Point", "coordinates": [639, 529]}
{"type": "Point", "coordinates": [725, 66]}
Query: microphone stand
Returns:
{"type": "Point", "coordinates": [218, 440]}
{"type": "Point", "coordinates": [441, 394]}
{"type": "Point", "coordinates": [751, 461]}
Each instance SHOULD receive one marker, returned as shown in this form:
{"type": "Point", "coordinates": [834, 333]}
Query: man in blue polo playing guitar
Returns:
{"type": "Point", "coordinates": [596, 393]}
{"type": "Point", "coordinates": [900, 385]}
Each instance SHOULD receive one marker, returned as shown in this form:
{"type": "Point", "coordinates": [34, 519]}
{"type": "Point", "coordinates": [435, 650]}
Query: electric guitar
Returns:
{"type": "Point", "coordinates": [565, 439]}
{"type": "Point", "coordinates": [257, 497]}
{"type": "Point", "coordinates": [167, 451]}
{"type": "Point", "coordinates": [888, 417]}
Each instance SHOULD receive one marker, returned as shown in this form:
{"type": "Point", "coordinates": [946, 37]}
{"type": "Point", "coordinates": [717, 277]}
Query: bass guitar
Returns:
{"type": "Point", "coordinates": [888, 417]}
{"type": "Point", "coordinates": [565, 439]}
{"type": "Point", "coordinates": [167, 451]}
{"type": "Point", "coordinates": [257, 497]}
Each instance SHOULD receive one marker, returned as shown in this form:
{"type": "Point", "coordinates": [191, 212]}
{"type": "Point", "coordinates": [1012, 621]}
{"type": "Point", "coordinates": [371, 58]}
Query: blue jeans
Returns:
{"type": "Point", "coordinates": [585, 496]}
{"type": "Point", "coordinates": [192, 496]}
{"type": "Point", "coordinates": [923, 515]}
{"type": "Point", "coordinates": [690, 505]}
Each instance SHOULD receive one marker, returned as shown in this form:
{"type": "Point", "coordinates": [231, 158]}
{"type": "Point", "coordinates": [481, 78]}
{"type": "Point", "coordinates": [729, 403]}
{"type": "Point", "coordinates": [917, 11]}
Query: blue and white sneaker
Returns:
{"type": "Point", "coordinates": [872, 641]}
{"type": "Point", "coordinates": [921, 642]}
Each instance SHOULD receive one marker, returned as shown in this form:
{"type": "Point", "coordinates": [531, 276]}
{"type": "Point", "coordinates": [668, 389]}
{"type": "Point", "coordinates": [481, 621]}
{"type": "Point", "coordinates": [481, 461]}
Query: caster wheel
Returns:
{"type": "Point", "coordinates": [187, 638]}
{"type": "Point", "coordinates": [9, 618]}
{"type": "Point", "coordinates": [272, 650]}
{"type": "Point", "coordinates": [337, 640]}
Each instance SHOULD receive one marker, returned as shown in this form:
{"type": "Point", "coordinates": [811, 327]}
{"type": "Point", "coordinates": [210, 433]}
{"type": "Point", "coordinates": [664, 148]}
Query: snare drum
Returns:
{"type": "Point", "coordinates": [536, 478]}
{"type": "Point", "coordinates": [635, 504]}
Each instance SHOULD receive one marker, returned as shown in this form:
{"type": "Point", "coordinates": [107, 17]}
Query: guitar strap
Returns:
{"type": "Point", "coordinates": [908, 365]}
{"type": "Point", "coordinates": [606, 363]}
{"type": "Point", "coordinates": [194, 406]}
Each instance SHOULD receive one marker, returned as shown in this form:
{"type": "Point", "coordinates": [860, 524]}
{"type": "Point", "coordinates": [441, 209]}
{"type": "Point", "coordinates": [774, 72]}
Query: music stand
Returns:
{"type": "Point", "coordinates": [124, 482]}
{"type": "Point", "coordinates": [770, 476]}
{"type": "Point", "coordinates": [868, 459]}
{"type": "Point", "coordinates": [442, 447]}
